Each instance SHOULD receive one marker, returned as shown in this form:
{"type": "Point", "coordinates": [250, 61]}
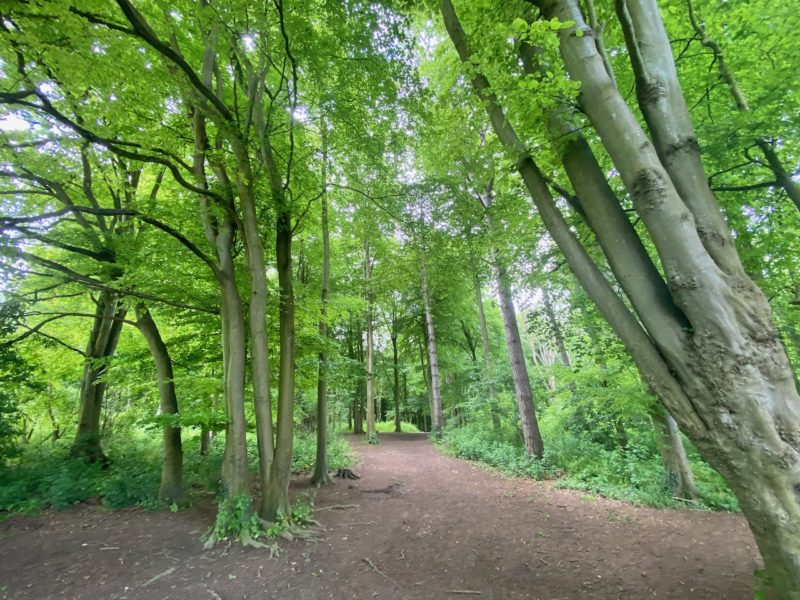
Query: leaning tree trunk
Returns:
{"type": "Point", "coordinates": [732, 365]}
{"type": "Point", "coordinates": [522, 385]}
{"type": "Point", "coordinates": [670, 445]}
{"type": "Point", "coordinates": [519, 372]}
{"type": "Point", "coordinates": [725, 377]}
{"type": "Point", "coordinates": [433, 357]}
{"type": "Point", "coordinates": [277, 496]}
{"type": "Point", "coordinates": [171, 488]}
{"type": "Point", "coordinates": [372, 433]}
{"type": "Point", "coordinates": [103, 339]}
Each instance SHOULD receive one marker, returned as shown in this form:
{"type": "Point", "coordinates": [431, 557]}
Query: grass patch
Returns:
{"type": "Point", "coordinates": [388, 427]}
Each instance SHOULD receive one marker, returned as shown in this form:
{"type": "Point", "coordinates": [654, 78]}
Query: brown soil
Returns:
{"type": "Point", "coordinates": [425, 526]}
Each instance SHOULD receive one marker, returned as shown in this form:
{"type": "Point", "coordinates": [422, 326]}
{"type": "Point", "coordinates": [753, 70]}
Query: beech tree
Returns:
{"type": "Point", "coordinates": [707, 347]}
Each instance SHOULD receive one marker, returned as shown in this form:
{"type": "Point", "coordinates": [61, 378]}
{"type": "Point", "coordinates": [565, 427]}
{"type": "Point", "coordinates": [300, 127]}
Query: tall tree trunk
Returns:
{"type": "Point", "coordinates": [488, 363]}
{"type": "Point", "coordinates": [320, 475]}
{"type": "Point", "coordinates": [426, 372]}
{"type": "Point", "coordinates": [235, 474]}
{"type": "Point", "coordinates": [519, 372]}
{"type": "Point", "coordinates": [171, 488]}
{"type": "Point", "coordinates": [433, 356]}
{"type": "Point", "coordinates": [220, 235]}
{"type": "Point", "coordinates": [395, 374]}
{"type": "Point", "coordinates": [257, 315]}
{"type": "Point", "coordinates": [205, 440]}
{"type": "Point", "coordinates": [277, 497]}
{"type": "Point", "coordinates": [405, 396]}
{"type": "Point", "coordinates": [372, 432]}
{"type": "Point", "coordinates": [102, 345]}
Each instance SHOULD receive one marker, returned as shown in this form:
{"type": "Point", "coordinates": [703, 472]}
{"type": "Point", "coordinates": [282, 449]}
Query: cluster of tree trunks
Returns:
{"type": "Point", "coordinates": [703, 338]}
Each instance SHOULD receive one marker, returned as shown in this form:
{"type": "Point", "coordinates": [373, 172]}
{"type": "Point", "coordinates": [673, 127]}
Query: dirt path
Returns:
{"type": "Point", "coordinates": [426, 526]}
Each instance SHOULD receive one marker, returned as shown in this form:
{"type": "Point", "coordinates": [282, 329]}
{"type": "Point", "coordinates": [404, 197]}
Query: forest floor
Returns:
{"type": "Point", "coordinates": [417, 525]}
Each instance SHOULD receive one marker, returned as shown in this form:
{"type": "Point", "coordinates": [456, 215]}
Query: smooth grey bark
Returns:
{"type": "Point", "coordinates": [372, 433]}
{"type": "Point", "coordinates": [320, 475]}
{"type": "Point", "coordinates": [488, 363]}
{"type": "Point", "coordinates": [276, 501]}
{"type": "Point", "coordinates": [733, 354]}
{"type": "Point", "coordinates": [519, 371]}
{"type": "Point", "coordinates": [171, 487]}
{"type": "Point", "coordinates": [102, 345]}
{"type": "Point", "coordinates": [220, 235]}
{"type": "Point", "coordinates": [600, 208]}
{"type": "Point", "coordinates": [516, 355]}
{"type": "Point", "coordinates": [433, 354]}
{"type": "Point", "coordinates": [254, 252]}
{"type": "Point", "coordinates": [673, 454]}
{"type": "Point", "coordinates": [395, 371]}
{"type": "Point", "coordinates": [676, 158]}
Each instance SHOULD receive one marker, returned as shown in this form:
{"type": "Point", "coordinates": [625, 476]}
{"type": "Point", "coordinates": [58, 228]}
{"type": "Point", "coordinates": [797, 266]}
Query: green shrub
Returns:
{"type": "Point", "coordinates": [305, 452]}
{"type": "Point", "coordinates": [477, 443]}
{"type": "Point", "coordinates": [634, 474]}
{"type": "Point", "coordinates": [388, 427]}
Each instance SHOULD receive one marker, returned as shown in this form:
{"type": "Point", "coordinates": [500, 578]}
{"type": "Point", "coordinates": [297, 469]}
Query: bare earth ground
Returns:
{"type": "Point", "coordinates": [426, 526]}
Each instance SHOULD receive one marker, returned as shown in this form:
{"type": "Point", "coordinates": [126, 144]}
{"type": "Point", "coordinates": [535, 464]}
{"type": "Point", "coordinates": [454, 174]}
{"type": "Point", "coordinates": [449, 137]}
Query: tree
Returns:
{"type": "Point", "coordinates": [713, 309]}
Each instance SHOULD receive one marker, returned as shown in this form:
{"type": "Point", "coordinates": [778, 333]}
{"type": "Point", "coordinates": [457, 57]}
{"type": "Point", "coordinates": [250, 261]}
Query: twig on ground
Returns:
{"type": "Point", "coordinates": [376, 569]}
{"type": "Point", "coordinates": [214, 594]}
{"type": "Point", "coordinates": [472, 592]}
{"type": "Point", "coordinates": [686, 500]}
{"type": "Point", "coordinates": [356, 523]}
{"type": "Point", "coordinates": [336, 507]}
{"type": "Point", "coordinates": [402, 555]}
{"type": "Point", "coordinates": [169, 571]}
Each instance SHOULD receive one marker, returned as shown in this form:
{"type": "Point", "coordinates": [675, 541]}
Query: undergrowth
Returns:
{"type": "Point", "coordinates": [634, 474]}
{"type": "Point", "coordinates": [46, 476]}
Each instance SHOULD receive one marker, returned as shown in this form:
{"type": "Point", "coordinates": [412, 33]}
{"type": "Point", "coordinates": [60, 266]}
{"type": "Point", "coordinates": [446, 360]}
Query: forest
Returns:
{"type": "Point", "coordinates": [244, 243]}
